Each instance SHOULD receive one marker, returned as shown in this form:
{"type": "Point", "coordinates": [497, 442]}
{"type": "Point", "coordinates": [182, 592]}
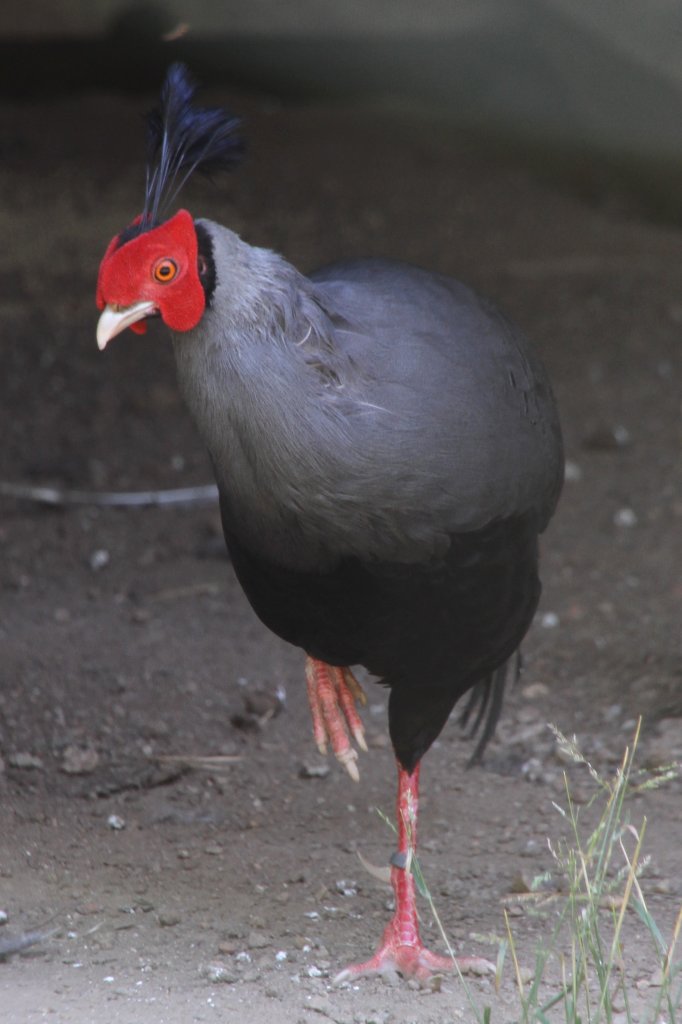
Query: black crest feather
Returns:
{"type": "Point", "coordinates": [183, 138]}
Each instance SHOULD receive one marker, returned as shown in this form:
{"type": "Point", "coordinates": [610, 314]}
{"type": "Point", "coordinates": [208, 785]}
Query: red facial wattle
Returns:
{"type": "Point", "coordinates": [158, 266]}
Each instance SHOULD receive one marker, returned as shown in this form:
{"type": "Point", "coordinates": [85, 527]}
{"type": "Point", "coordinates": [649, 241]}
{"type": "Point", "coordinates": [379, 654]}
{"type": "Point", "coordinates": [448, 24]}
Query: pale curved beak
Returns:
{"type": "Point", "coordinates": [115, 319]}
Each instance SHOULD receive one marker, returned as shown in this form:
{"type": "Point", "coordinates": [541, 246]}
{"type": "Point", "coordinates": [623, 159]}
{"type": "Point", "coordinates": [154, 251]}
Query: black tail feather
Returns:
{"type": "Point", "coordinates": [415, 718]}
{"type": "Point", "coordinates": [485, 699]}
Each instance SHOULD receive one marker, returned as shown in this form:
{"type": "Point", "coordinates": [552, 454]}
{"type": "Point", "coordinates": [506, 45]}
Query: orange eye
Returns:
{"type": "Point", "coordinates": [164, 270]}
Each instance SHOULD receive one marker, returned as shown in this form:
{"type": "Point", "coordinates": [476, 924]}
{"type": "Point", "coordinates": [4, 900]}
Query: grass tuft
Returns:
{"type": "Point", "coordinates": [581, 973]}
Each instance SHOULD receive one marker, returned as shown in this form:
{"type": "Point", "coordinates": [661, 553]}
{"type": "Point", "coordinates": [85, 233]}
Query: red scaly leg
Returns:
{"type": "Point", "coordinates": [401, 948]}
{"type": "Point", "coordinates": [332, 694]}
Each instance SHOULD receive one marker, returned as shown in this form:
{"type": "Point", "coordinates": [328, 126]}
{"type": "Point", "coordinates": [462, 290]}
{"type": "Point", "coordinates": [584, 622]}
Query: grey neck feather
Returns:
{"type": "Point", "coordinates": [264, 339]}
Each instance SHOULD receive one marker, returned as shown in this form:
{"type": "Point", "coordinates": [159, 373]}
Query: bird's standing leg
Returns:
{"type": "Point", "coordinates": [401, 948]}
{"type": "Point", "coordinates": [333, 693]}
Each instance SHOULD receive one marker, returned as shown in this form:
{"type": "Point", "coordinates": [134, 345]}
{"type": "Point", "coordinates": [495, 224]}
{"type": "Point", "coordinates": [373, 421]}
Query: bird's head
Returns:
{"type": "Point", "coordinates": [154, 267]}
{"type": "Point", "coordinates": [157, 272]}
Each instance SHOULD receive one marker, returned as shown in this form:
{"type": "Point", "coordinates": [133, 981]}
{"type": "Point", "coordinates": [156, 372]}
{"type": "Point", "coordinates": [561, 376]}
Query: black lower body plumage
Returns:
{"type": "Point", "coordinates": [431, 633]}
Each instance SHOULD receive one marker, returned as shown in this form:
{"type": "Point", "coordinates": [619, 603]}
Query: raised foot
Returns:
{"type": "Point", "coordinates": [333, 693]}
{"type": "Point", "coordinates": [414, 962]}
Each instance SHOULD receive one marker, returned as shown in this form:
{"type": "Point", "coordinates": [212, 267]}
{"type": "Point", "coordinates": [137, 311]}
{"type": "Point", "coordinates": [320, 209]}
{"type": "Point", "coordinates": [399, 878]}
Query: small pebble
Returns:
{"type": "Point", "coordinates": [79, 760]}
{"type": "Point", "coordinates": [314, 771]}
{"type": "Point", "coordinates": [99, 559]}
{"type": "Point", "coordinates": [346, 887]}
{"type": "Point", "coordinates": [549, 620]}
{"type": "Point", "coordinates": [530, 848]}
{"type": "Point", "coordinates": [228, 946]}
{"type": "Point", "coordinates": [532, 769]}
{"type": "Point", "coordinates": [22, 759]}
{"type": "Point", "coordinates": [116, 822]}
{"type": "Point", "coordinates": [89, 908]}
{"type": "Point", "coordinates": [167, 919]}
{"type": "Point", "coordinates": [214, 850]}
{"type": "Point", "coordinates": [625, 517]}
{"type": "Point", "coordinates": [217, 972]}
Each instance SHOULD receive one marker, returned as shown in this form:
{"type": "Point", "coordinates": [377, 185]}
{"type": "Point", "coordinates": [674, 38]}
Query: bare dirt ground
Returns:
{"type": "Point", "coordinates": [234, 893]}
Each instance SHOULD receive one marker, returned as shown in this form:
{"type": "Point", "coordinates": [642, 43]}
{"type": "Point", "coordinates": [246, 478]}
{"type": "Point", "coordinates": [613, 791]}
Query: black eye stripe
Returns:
{"type": "Point", "coordinates": [206, 263]}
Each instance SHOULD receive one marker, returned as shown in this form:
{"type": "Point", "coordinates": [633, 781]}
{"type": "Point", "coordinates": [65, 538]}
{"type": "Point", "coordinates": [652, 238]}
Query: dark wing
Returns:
{"type": "Point", "coordinates": [450, 408]}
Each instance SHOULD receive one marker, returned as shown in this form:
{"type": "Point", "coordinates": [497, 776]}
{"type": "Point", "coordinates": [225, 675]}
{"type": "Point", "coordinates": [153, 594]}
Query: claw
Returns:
{"type": "Point", "coordinates": [413, 962]}
{"type": "Point", "coordinates": [333, 693]}
{"type": "Point", "coordinates": [348, 758]}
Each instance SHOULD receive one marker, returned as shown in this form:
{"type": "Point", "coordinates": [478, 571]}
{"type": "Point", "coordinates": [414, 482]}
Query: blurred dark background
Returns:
{"type": "Point", "coordinates": [592, 91]}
